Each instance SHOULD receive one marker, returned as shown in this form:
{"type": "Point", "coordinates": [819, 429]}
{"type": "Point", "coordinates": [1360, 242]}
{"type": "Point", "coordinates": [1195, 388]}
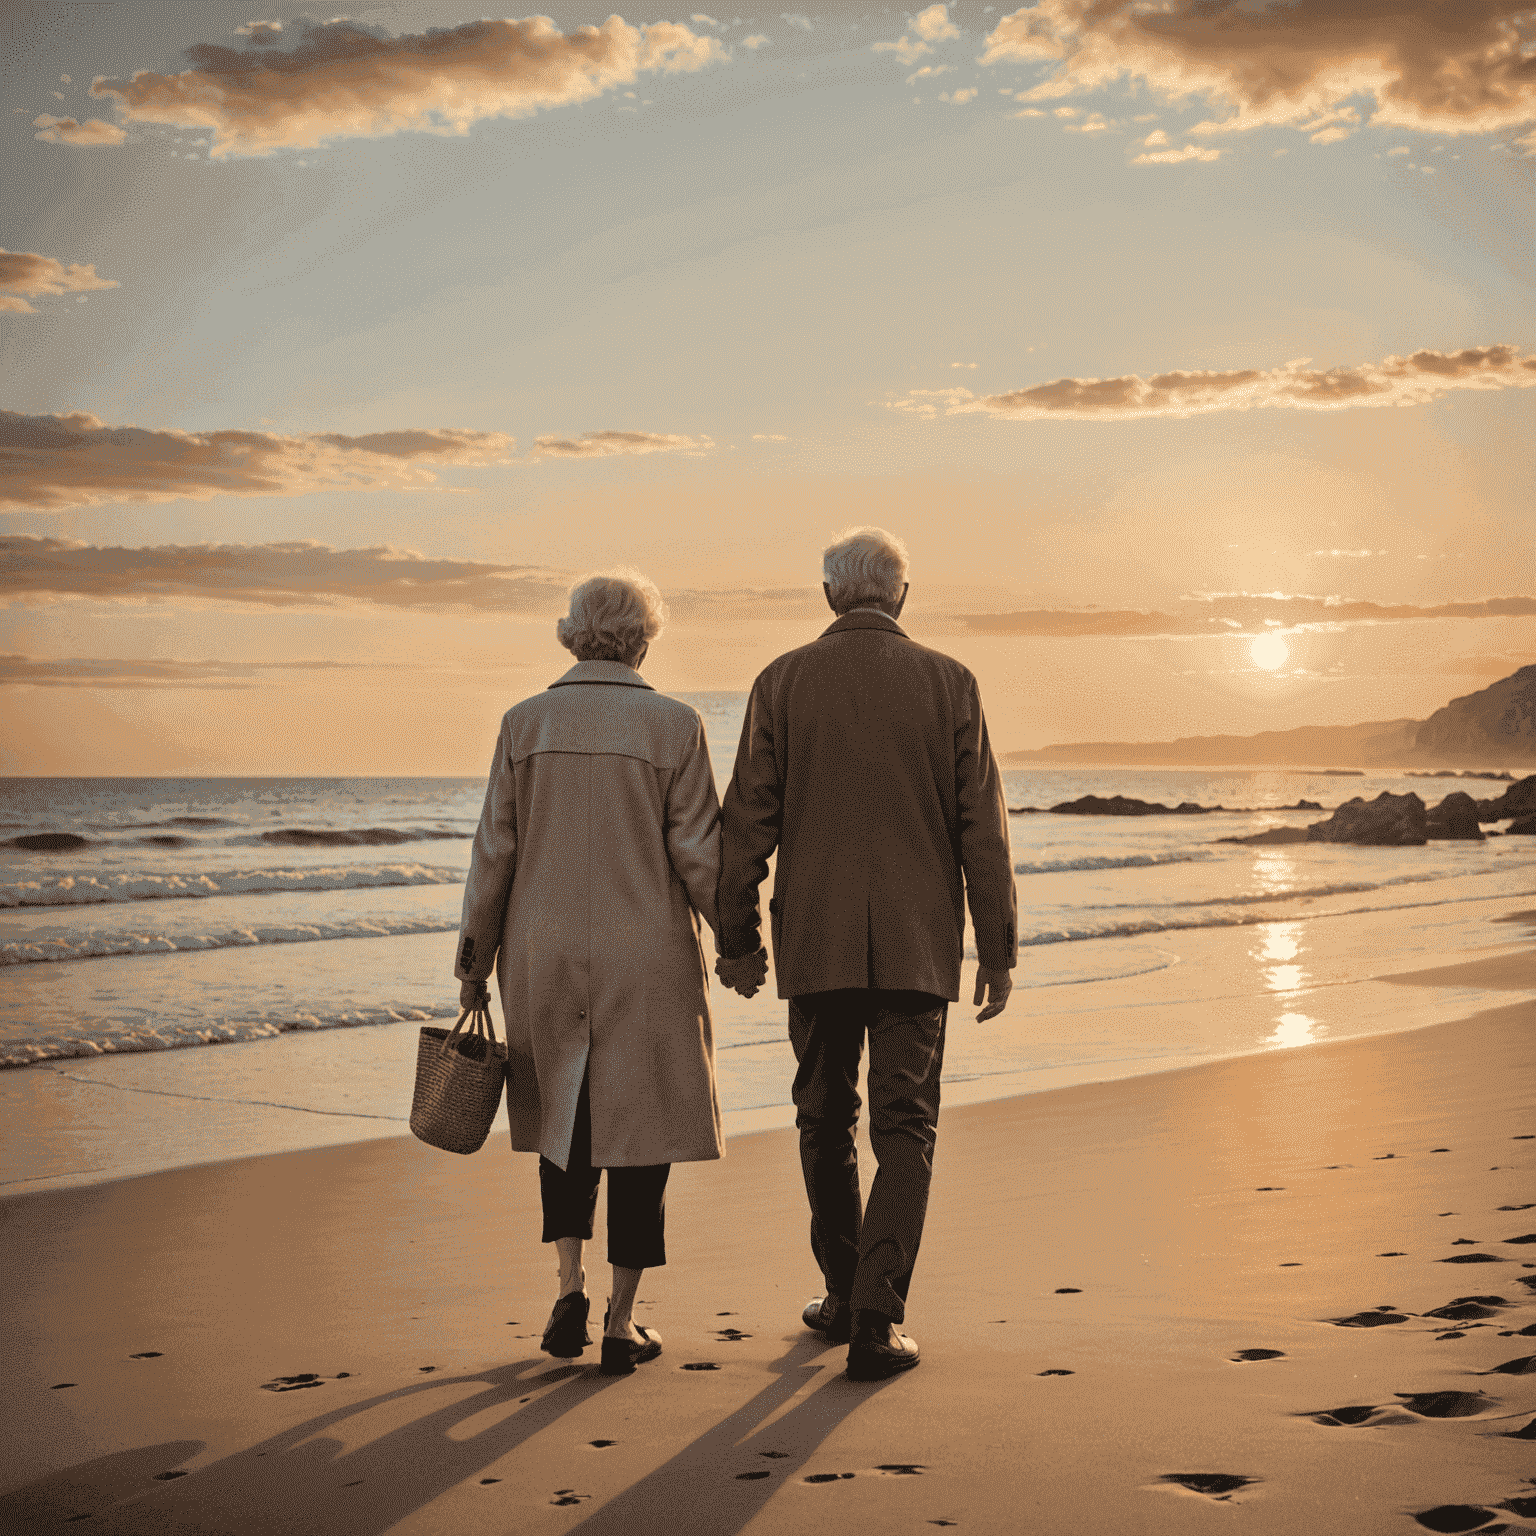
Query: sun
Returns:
{"type": "Point", "coordinates": [1269, 652]}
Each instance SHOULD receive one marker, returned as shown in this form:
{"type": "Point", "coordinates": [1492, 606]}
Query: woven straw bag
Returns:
{"type": "Point", "coordinates": [459, 1080]}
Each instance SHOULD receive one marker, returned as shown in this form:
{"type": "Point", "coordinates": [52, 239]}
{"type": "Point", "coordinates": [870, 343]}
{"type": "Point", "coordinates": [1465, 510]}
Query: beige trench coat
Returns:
{"type": "Point", "coordinates": [597, 853]}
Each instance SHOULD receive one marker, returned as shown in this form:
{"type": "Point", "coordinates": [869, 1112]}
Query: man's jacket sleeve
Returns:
{"type": "Point", "coordinates": [984, 853]}
{"type": "Point", "coordinates": [491, 868]}
{"type": "Point", "coordinates": [751, 819]}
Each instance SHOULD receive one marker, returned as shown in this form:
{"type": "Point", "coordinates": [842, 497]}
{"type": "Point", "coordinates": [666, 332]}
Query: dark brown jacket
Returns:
{"type": "Point", "coordinates": [864, 760]}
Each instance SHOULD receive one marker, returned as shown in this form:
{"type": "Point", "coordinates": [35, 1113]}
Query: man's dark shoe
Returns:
{"type": "Point", "coordinates": [830, 1315]}
{"type": "Point", "coordinates": [877, 1350]}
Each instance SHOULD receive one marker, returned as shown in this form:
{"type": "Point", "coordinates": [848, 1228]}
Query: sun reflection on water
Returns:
{"type": "Point", "coordinates": [1278, 954]}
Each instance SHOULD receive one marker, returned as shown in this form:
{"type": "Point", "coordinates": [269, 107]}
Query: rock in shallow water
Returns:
{"type": "Point", "coordinates": [1454, 818]}
{"type": "Point", "coordinates": [1388, 821]}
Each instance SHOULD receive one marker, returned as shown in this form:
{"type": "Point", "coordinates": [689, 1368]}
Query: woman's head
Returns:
{"type": "Point", "coordinates": [613, 617]}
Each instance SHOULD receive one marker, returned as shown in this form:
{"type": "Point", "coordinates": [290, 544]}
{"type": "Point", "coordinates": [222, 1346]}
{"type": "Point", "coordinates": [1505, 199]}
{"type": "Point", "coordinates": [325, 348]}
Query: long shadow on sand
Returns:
{"type": "Point", "coordinates": [304, 1480]}
{"type": "Point", "coordinates": [363, 1466]}
{"type": "Point", "coordinates": [705, 1482]}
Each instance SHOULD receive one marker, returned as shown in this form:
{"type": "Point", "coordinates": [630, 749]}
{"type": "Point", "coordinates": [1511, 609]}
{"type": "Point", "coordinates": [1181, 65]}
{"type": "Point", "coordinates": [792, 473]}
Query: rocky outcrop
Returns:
{"type": "Point", "coordinates": [1388, 821]}
{"type": "Point", "coordinates": [1518, 800]}
{"type": "Point", "coordinates": [1455, 818]}
{"type": "Point", "coordinates": [1497, 724]}
{"type": "Point", "coordinates": [1271, 836]}
{"type": "Point", "coordinates": [1119, 805]}
{"type": "Point", "coordinates": [49, 842]}
{"type": "Point", "coordinates": [1525, 827]}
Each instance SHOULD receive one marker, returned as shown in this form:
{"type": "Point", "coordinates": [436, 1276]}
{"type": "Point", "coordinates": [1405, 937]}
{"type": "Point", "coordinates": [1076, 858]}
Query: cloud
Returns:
{"type": "Point", "coordinates": [291, 575]}
{"type": "Point", "coordinates": [757, 40]}
{"type": "Point", "coordinates": [339, 79]}
{"type": "Point", "coordinates": [928, 71]}
{"type": "Point", "coordinates": [25, 275]}
{"type": "Point", "coordinates": [1177, 156]}
{"type": "Point", "coordinates": [1412, 380]}
{"type": "Point", "coordinates": [1402, 149]}
{"type": "Point", "coordinates": [50, 462]}
{"type": "Point", "coordinates": [603, 445]}
{"type": "Point", "coordinates": [699, 19]}
{"type": "Point", "coordinates": [1236, 614]}
{"type": "Point", "coordinates": [260, 31]}
{"type": "Point", "coordinates": [769, 437]}
{"type": "Point", "coordinates": [932, 26]}
{"type": "Point", "coordinates": [1156, 139]}
{"type": "Point", "coordinates": [1426, 65]}
{"type": "Point", "coordinates": [796, 20]}
{"type": "Point", "coordinates": [961, 97]}
{"type": "Point", "coordinates": [91, 134]}
{"type": "Point", "coordinates": [1027, 112]}
{"type": "Point", "coordinates": [111, 672]}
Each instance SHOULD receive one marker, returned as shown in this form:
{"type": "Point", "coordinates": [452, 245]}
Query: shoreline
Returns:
{"type": "Point", "coordinates": [1226, 993]}
{"type": "Point", "coordinates": [1098, 1259]}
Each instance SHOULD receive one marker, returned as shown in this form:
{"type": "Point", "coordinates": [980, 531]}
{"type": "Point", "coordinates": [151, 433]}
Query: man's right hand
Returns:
{"type": "Point", "coordinates": [745, 974]}
{"type": "Point", "coordinates": [996, 985]}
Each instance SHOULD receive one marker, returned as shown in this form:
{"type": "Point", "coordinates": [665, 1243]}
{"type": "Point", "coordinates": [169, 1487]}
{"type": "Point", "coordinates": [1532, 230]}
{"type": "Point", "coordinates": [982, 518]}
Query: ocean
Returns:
{"type": "Point", "coordinates": [188, 913]}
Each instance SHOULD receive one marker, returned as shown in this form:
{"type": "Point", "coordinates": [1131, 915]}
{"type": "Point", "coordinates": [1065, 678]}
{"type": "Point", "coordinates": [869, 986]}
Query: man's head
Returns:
{"type": "Point", "coordinates": [613, 617]}
{"type": "Point", "coordinates": [865, 568]}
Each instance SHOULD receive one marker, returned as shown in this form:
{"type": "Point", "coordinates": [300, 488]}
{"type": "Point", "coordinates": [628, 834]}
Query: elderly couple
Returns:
{"type": "Point", "coordinates": [864, 762]}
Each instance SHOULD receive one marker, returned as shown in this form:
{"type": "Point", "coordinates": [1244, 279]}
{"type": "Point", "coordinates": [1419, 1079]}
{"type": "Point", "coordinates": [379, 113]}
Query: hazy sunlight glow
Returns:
{"type": "Point", "coordinates": [1269, 652]}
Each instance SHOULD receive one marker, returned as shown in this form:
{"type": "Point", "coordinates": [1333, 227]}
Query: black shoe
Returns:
{"type": "Point", "coordinates": [830, 1315]}
{"type": "Point", "coordinates": [566, 1336]}
{"type": "Point", "coordinates": [621, 1356]}
{"type": "Point", "coordinates": [877, 1350]}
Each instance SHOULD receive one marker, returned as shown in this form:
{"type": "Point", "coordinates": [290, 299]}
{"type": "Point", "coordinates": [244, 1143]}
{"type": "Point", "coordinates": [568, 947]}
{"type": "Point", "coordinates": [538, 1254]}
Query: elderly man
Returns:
{"type": "Point", "coordinates": [864, 760]}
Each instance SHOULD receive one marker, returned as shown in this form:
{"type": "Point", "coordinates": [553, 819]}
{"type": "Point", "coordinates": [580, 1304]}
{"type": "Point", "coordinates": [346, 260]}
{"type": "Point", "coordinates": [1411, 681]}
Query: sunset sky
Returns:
{"type": "Point", "coordinates": [335, 349]}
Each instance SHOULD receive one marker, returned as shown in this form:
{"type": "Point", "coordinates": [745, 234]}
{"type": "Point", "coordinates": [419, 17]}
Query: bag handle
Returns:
{"type": "Point", "coordinates": [480, 1024]}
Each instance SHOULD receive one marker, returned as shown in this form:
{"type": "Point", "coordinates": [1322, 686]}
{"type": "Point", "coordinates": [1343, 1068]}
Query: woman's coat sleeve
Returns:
{"type": "Point", "coordinates": [693, 829]}
{"type": "Point", "coordinates": [491, 868]}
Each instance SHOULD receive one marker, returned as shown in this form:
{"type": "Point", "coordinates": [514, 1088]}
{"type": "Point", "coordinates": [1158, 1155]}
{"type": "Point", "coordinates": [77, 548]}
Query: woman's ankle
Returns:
{"type": "Point", "coordinates": [573, 1284]}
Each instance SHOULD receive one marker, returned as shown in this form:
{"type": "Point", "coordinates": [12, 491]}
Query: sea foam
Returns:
{"type": "Point", "coordinates": [133, 885]}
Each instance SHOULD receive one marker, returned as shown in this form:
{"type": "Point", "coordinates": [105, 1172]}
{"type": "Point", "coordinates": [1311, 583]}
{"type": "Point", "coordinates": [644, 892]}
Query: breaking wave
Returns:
{"type": "Point", "coordinates": [132, 885]}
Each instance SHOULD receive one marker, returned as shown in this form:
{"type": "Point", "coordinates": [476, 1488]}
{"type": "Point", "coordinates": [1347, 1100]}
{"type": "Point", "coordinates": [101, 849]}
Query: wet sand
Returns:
{"type": "Point", "coordinates": [1154, 1305]}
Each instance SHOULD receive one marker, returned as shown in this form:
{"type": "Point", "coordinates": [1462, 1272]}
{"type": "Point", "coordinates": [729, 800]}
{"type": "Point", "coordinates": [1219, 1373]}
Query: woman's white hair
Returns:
{"type": "Point", "coordinates": [612, 617]}
{"type": "Point", "coordinates": [864, 565]}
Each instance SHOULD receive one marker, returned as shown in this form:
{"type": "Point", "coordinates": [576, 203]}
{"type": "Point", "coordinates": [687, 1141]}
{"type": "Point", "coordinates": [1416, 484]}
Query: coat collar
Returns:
{"type": "Point", "coordinates": [862, 620]}
{"type": "Point", "coordinates": [602, 672]}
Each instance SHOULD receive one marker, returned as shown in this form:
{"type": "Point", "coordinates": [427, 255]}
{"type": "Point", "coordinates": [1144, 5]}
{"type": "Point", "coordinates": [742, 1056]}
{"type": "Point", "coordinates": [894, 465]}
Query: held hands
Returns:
{"type": "Point", "coordinates": [745, 974]}
{"type": "Point", "coordinates": [474, 994]}
{"type": "Point", "coordinates": [996, 983]}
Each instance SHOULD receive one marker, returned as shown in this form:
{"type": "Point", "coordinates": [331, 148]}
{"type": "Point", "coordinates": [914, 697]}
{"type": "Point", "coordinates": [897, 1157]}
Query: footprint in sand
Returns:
{"type": "Point", "coordinates": [775, 1455]}
{"type": "Point", "coordinates": [601, 1445]}
{"type": "Point", "coordinates": [1527, 1207]}
{"type": "Point", "coordinates": [751, 1477]}
{"type": "Point", "coordinates": [701, 1365]}
{"type": "Point", "coordinates": [59, 1386]}
{"type": "Point", "coordinates": [148, 1354]}
{"type": "Point", "coordinates": [1472, 1258]}
{"type": "Point", "coordinates": [165, 1477]}
{"type": "Point", "coordinates": [1529, 1280]}
{"type": "Point", "coordinates": [1463, 1309]}
{"type": "Point", "coordinates": [1454, 1517]}
{"type": "Point", "coordinates": [1439, 1149]}
{"type": "Point", "coordinates": [292, 1383]}
{"type": "Point", "coordinates": [1395, 1254]}
{"type": "Point", "coordinates": [1528, 1332]}
{"type": "Point", "coordinates": [1270, 1189]}
{"type": "Point", "coordinates": [902, 1468]}
{"type": "Point", "coordinates": [485, 1482]}
{"type": "Point", "coordinates": [732, 1335]}
{"type": "Point", "coordinates": [1069, 1290]}
{"type": "Point", "coordinates": [1258, 1354]}
{"type": "Point", "coordinates": [569, 1496]}
{"type": "Point", "coordinates": [1446, 1405]}
{"type": "Point", "coordinates": [1376, 1319]}
{"type": "Point", "coordinates": [828, 1477]}
{"type": "Point", "coordinates": [1216, 1485]}
{"type": "Point", "coordinates": [1524, 1366]}
{"type": "Point", "coordinates": [1528, 1433]}
{"type": "Point", "coordinates": [1054, 1373]}
{"type": "Point", "coordinates": [1529, 1237]}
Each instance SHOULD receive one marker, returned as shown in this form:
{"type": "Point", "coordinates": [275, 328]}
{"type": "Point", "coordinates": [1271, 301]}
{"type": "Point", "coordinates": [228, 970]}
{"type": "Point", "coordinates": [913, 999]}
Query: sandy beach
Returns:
{"type": "Point", "coordinates": [1129, 1299]}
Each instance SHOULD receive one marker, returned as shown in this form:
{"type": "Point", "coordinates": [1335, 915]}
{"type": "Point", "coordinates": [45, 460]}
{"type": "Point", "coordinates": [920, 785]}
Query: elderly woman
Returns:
{"type": "Point", "coordinates": [596, 856]}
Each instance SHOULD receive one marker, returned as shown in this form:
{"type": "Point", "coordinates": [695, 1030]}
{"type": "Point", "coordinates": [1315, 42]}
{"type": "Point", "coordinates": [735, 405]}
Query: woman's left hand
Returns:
{"type": "Point", "coordinates": [474, 994]}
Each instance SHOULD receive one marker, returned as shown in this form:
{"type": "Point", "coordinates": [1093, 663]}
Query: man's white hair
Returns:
{"type": "Point", "coordinates": [612, 616]}
{"type": "Point", "coordinates": [863, 566]}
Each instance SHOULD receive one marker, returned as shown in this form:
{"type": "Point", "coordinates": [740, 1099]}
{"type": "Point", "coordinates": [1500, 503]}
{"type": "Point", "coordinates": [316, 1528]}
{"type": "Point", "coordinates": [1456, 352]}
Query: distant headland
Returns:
{"type": "Point", "coordinates": [1488, 730]}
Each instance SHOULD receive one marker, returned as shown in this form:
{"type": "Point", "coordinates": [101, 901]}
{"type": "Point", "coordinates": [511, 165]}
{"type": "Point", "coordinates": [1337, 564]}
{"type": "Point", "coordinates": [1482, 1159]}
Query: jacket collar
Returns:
{"type": "Point", "coordinates": [863, 620]}
{"type": "Point", "coordinates": [602, 672]}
